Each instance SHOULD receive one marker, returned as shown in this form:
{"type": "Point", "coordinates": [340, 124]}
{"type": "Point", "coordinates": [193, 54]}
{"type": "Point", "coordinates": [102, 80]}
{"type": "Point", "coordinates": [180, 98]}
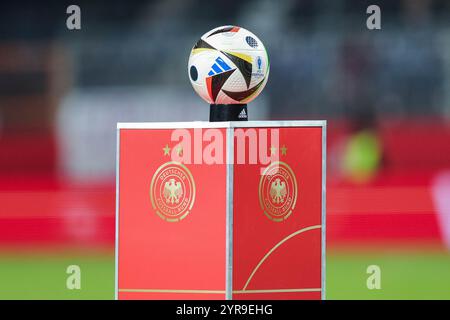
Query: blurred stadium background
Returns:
{"type": "Point", "coordinates": [385, 93]}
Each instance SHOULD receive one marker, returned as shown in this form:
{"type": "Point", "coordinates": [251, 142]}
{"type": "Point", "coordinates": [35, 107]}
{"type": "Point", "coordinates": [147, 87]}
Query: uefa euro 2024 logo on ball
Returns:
{"type": "Point", "coordinates": [229, 65]}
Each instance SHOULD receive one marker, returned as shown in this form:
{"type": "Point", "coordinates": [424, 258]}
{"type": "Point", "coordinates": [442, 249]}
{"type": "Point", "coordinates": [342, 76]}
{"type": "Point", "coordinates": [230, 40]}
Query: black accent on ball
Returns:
{"type": "Point", "coordinates": [194, 73]}
{"type": "Point", "coordinates": [244, 67]}
{"type": "Point", "coordinates": [202, 44]}
{"type": "Point", "coordinates": [242, 95]}
{"type": "Point", "coordinates": [228, 112]}
{"type": "Point", "coordinates": [218, 80]}
{"type": "Point", "coordinates": [226, 29]}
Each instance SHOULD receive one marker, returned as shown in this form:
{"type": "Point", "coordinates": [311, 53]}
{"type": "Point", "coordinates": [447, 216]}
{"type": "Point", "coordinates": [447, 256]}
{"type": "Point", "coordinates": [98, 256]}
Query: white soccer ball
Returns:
{"type": "Point", "coordinates": [228, 65]}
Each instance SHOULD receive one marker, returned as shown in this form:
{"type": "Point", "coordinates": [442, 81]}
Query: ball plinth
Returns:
{"type": "Point", "coordinates": [228, 112]}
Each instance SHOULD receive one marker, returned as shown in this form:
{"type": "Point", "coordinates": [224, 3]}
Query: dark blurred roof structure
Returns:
{"type": "Point", "coordinates": [324, 61]}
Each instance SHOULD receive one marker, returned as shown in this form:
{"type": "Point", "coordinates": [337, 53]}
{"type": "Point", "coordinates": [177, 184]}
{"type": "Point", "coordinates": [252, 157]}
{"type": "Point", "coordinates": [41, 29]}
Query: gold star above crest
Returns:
{"type": "Point", "coordinates": [283, 150]}
{"type": "Point", "coordinates": [273, 150]}
{"type": "Point", "coordinates": [166, 150]}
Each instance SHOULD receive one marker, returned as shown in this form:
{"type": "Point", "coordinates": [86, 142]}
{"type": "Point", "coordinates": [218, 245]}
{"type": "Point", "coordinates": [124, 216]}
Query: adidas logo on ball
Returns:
{"type": "Point", "coordinates": [218, 67]}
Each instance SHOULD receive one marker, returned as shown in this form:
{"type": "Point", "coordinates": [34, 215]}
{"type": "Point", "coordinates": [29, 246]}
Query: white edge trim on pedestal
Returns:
{"type": "Point", "coordinates": [116, 251]}
{"type": "Point", "coordinates": [229, 215]}
{"type": "Point", "coordinates": [232, 124]}
{"type": "Point", "coordinates": [324, 207]}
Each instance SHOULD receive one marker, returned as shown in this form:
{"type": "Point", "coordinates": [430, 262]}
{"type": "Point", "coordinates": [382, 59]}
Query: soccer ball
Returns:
{"type": "Point", "coordinates": [228, 65]}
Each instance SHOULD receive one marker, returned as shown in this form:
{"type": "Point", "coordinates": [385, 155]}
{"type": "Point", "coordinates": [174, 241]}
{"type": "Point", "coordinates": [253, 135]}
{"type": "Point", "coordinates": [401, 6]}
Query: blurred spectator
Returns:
{"type": "Point", "coordinates": [362, 154]}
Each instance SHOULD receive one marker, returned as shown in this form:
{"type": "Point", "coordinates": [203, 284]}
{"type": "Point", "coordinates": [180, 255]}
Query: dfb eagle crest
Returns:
{"type": "Point", "coordinates": [173, 191]}
{"type": "Point", "coordinates": [278, 191]}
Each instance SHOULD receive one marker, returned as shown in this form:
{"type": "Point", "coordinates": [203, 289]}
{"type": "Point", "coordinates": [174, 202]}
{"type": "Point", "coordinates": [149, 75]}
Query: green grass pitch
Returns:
{"type": "Point", "coordinates": [404, 275]}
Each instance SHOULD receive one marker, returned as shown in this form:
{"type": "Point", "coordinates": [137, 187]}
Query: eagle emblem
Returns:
{"type": "Point", "coordinates": [278, 191]}
{"type": "Point", "coordinates": [173, 191]}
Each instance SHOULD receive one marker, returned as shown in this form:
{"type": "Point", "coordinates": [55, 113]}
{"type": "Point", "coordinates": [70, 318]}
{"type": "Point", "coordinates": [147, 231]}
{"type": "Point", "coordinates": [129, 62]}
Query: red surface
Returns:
{"type": "Point", "coordinates": [296, 264]}
{"type": "Point", "coordinates": [408, 144]}
{"type": "Point", "coordinates": [156, 254]}
{"type": "Point", "coordinates": [28, 153]}
{"type": "Point", "coordinates": [416, 145]}
{"type": "Point", "coordinates": [169, 296]}
{"type": "Point", "coordinates": [66, 230]}
{"type": "Point", "coordinates": [382, 228]}
{"type": "Point", "coordinates": [396, 208]}
{"type": "Point", "coordinates": [37, 211]}
{"type": "Point", "coordinates": [279, 296]}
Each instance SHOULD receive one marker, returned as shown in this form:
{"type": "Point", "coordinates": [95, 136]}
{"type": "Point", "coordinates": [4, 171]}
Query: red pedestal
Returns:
{"type": "Point", "coordinates": [227, 210]}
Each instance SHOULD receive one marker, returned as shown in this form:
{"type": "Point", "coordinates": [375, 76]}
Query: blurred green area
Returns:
{"type": "Point", "coordinates": [362, 156]}
{"type": "Point", "coordinates": [404, 275]}
{"type": "Point", "coordinates": [42, 275]}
